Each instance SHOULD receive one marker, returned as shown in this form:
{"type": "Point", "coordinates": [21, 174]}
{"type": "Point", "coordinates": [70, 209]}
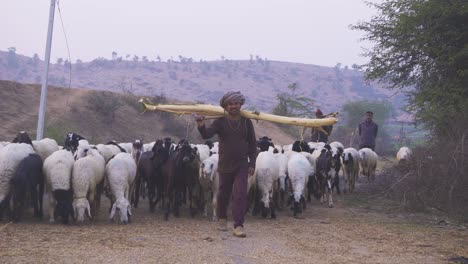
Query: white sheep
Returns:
{"type": "Point", "coordinates": [267, 175]}
{"type": "Point", "coordinates": [299, 171]}
{"type": "Point", "coordinates": [336, 144]}
{"type": "Point", "coordinates": [287, 147]}
{"type": "Point", "coordinates": [148, 146]}
{"type": "Point", "coordinates": [215, 148]}
{"type": "Point", "coordinates": [282, 160]}
{"type": "Point", "coordinates": [57, 170]}
{"type": "Point", "coordinates": [87, 174]}
{"type": "Point", "coordinates": [209, 181]}
{"type": "Point", "coordinates": [403, 154]}
{"type": "Point", "coordinates": [45, 147]}
{"type": "Point", "coordinates": [3, 144]}
{"type": "Point", "coordinates": [316, 145]}
{"type": "Point", "coordinates": [350, 159]}
{"type": "Point", "coordinates": [127, 146]}
{"type": "Point", "coordinates": [368, 162]}
{"type": "Point", "coordinates": [108, 150]}
{"type": "Point", "coordinates": [203, 151]}
{"type": "Point", "coordinates": [10, 157]}
{"type": "Point", "coordinates": [120, 176]}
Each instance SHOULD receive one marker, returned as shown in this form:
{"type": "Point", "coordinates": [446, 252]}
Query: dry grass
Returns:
{"type": "Point", "coordinates": [68, 110]}
{"type": "Point", "coordinates": [355, 231]}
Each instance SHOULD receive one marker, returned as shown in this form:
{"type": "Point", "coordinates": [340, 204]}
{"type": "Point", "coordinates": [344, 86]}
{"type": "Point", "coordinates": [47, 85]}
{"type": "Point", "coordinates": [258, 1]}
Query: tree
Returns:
{"type": "Point", "coordinates": [59, 61]}
{"type": "Point", "coordinates": [354, 111]}
{"type": "Point", "coordinates": [79, 64]}
{"type": "Point", "coordinates": [114, 55]}
{"type": "Point", "coordinates": [12, 60]}
{"type": "Point", "coordinates": [293, 104]}
{"type": "Point", "coordinates": [421, 48]}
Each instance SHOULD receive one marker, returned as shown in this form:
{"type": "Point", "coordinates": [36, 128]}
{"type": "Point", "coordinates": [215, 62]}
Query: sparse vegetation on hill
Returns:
{"type": "Point", "coordinates": [100, 116]}
{"type": "Point", "coordinates": [260, 79]}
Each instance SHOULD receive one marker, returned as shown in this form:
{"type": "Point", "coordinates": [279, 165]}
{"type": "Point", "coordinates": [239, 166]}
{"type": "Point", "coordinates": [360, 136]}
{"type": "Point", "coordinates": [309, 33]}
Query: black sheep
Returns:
{"type": "Point", "coordinates": [64, 206]}
{"type": "Point", "coordinates": [28, 179]}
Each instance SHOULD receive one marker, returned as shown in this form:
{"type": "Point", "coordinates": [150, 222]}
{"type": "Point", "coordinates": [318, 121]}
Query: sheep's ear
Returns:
{"type": "Point", "coordinates": [129, 210]}
{"type": "Point", "coordinates": [88, 209]}
{"type": "Point", "coordinates": [112, 212]}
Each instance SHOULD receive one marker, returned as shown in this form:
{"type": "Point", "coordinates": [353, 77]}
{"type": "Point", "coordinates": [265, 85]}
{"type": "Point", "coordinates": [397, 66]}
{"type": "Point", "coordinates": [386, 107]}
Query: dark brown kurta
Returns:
{"type": "Point", "coordinates": [236, 142]}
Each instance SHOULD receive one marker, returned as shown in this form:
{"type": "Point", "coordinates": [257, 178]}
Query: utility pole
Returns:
{"type": "Point", "coordinates": [45, 79]}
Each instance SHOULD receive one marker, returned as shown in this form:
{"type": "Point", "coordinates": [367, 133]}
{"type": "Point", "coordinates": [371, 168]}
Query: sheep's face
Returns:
{"type": "Point", "coordinates": [137, 149]}
{"type": "Point", "coordinates": [347, 158]}
{"type": "Point", "coordinates": [123, 206]}
{"type": "Point", "coordinates": [22, 137]}
{"type": "Point", "coordinates": [80, 208]}
{"type": "Point", "coordinates": [206, 169]}
{"type": "Point", "coordinates": [186, 154]}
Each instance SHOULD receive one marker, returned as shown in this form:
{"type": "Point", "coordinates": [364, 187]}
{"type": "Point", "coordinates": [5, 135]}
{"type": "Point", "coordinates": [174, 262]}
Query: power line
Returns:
{"type": "Point", "coordinates": [69, 56]}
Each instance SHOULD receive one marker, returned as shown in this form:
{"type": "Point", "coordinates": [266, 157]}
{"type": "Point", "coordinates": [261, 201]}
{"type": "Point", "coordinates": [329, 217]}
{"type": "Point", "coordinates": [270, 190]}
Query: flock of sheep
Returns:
{"type": "Point", "coordinates": [76, 175]}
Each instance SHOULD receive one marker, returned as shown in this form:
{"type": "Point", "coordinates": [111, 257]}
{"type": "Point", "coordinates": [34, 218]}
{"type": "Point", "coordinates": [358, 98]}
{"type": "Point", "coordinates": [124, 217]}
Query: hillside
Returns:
{"type": "Point", "coordinates": [260, 79]}
{"type": "Point", "coordinates": [90, 113]}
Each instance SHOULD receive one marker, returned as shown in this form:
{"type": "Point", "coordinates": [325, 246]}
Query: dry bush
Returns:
{"type": "Point", "coordinates": [436, 176]}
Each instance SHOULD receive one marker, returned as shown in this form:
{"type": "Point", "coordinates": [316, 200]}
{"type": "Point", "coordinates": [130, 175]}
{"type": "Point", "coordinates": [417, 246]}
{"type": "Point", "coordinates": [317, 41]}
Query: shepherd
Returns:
{"type": "Point", "coordinates": [237, 154]}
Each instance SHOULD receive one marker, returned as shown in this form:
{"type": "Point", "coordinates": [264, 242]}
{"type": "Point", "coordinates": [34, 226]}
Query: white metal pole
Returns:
{"type": "Point", "coordinates": [45, 79]}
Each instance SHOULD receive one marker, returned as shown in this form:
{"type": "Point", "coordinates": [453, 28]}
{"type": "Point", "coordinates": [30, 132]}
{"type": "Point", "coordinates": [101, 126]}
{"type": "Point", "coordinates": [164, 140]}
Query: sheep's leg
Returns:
{"type": "Point", "coordinates": [178, 196]}
{"type": "Point", "coordinates": [309, 189]}
{"type": "Point", "coordinates": [136, 196]}
{"type": "Point", "coordinates": [151, 194]}
{"type": "Point", "coordinates": [34, 200]}
{"type": "Point", "coordinates": [215, 206]}
{"type": "Point", "coordinates": [159, 195]}
{"type": "Point", "coordinates": [256, 201]}
{"type": "Point", "coordinates": [337, 181]}
{"type": "Point", "coordinates": [99, 190]}
{"type": "Point", "coordinates": [51, 207]}
{"type": "Point", "coordinates": [92, 204]}
{"type": "Point", "coordinates": [40, 197]}
{"type": "Point", "coordinates": [18, 203]}
{"type": "Point", "coordinates": [168, 205]}
{"type": "Point", "coordinates": [192, 210]}
{"type": "Point", "coordinates": [130, 192]}
{"type": "Point", "coordinates": [330, 198]}
{"type": "Point", "coordinates": [275, 201]}
{"type": "Point", "coordinates": [304, 204]}
{"type": "Point", "coordinates": [206, 199]}
{"type": "Point", "coordinates": [346, 182]}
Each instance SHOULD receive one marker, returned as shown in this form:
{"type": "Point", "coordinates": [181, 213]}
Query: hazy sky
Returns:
{"type": "Point", "coordinates": [305, 31]}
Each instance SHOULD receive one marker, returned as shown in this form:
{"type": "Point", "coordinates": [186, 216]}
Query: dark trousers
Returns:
{"type": "Point", "coordinates": [235, 183]}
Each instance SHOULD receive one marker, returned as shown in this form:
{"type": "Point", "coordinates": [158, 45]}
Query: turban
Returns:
{"type": "Point", "coordinates": [232, 97]}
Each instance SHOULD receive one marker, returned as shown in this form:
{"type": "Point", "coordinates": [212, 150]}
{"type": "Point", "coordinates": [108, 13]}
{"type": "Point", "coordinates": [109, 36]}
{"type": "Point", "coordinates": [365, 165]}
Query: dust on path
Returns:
{"type": "Point", "coordinates": [358, 229]}
{"type": "Point", "coordinates": [348, 233]}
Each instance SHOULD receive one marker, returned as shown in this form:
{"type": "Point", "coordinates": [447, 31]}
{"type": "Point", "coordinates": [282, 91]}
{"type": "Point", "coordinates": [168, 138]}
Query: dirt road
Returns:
{"type": "Point", "coordinates": [355, 231]}
{"type": "Point", "coordinates": [358, 229]}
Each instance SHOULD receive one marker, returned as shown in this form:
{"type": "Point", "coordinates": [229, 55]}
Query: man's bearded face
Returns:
{"type": "Point", "coordinates": [233, 108]}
